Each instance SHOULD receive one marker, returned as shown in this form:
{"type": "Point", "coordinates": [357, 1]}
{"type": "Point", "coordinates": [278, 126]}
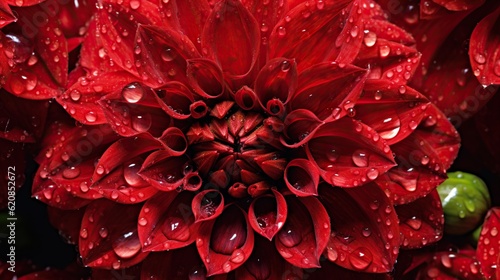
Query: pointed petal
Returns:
{"type": "Point", "coordinates": [423, 158]}
{"type": "Point", "coordinates": [176, 99]}
{"type": "Point", "coordinates": [315, 85]}
{"type": "Point", "coordinates": [347, 161]}
{"type": "Point", "coordinates": [226, 243]}
{"type": "Point", "coordinates": [108, 235]}
{"type": "Point", "coordinates": [267, 214]}
{"type": "Point", "coordinates": [207, 205]}
{"type": "Point", "coordinates": [277, 80]}
{"type": "Point", "coordinates": [483, 50]}
{"type": "Point", "coordinates": [300, 127]}
{"type": "Point", "coordinates": [205, 77]}
{"type": "Point", "coordinates": [231, 37]}
{"type": "Point", "coordinates": [6, 15]}
{"type": "Point", "coordinates": [489, 243]}
{"type": "Point", "coordinates": [300, 34]}
{"type": "Point", "coordinates": [302, 177]}
{"type": "Point", "coordinates": [421, 221]}
{"type": "Point", "coordinates": [305, 233]}
{"type": "Point", "coordinates": [365, 231]}
{"type": "Point", "coordinates": [80, 99]}
{"type": "Point", "coordinates": [393, 112]}
{"type": "Point", "coordinates": [166, 222]}
{"type": "Point", "coordinates": [452, 265]}
{"type": "Point", "coordinates": [246, 98]}
{"type": "Point", "coordinates": [183, 263]}
{"type": "Point", "coordinates": [171, 46]}
{"type": "Point", "coordinates": [163, 171]}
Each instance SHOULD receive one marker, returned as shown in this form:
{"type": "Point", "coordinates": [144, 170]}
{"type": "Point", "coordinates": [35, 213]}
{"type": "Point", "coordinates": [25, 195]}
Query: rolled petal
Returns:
{"type": "Point", "coordinates": [231, 37]}
{"type": "Point", "coordinates": [176, 99]}
{"type": "Point", "coordinates": [163, 171]}
{"type": "Point", "coordinates": [205, 77]}
{"type": "Point", "coordinates": [421, 222]}
{"type": "Point", "coordinates": [207, 205]}
{"type": "Point", "coordinates": [365, 230]}
{"type": "Point", "coordinates": [489, 243]}
{"type": "Point", "coordinates": [299, 127]}
{"type": "Point", "coordinates": [226, 243]}
{"type": "Point", "coordinates": [483, 49]}
{"type": "Point", "coordinates": [300, 34]}
{"type": "Point", "coordinates": [108, 235]}
{"type": "Point", "coordinates": [305, 233]}
{"type": "Point", "coordinates": [172, 47]}
{"type": "Point", "coordinates": [315, 89]}
{"type": "Point", "coordinates": [422, 158]}
{"type": "Point", "coordinates": [267, 214]}
{"type": "Point", "coordinates": [166, 222]}
{"type": "Point", "coordinates": [80, 99]}
{"type": "Point", "coordinates": [393, 112]}
{"type": "Point", "coordinates": [134, 109]}
{"type": "Point", "coordinates": [246, 98]}
{"type": "Point", "coordinates": [302, 177]}
{"type": "Point", "coordinates": [276, 80]}
{"type": "Point", "coordinates": [184, 263]}
{"type": "Point", "coordinates": [345, 160]}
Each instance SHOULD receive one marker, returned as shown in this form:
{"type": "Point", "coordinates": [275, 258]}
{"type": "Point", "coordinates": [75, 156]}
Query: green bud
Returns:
{"type": "Point", "coordinates": [465, 200]}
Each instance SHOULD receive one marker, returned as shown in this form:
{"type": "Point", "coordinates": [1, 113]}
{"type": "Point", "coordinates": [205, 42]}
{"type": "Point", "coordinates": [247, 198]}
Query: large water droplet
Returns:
{"type": "Point", "coordinates": [133, 92]}
{"type": "Point", "coordinates": [384, 51]}
{"type": "Point", "coordinates": [135, 4]}
{"type": "Point", "coordinates": [372, 174]}
{"type": "Point", "coordinates": [130, 174]}
{"type": "Point", "coordinates": [127, 246]}
{"type": "Point", "coordinates": [167, 55]}
{"type": "Point", "coordinates": [91, 116]}
{"type": "Point", "coordinates": [142, 123]}
{"type": "Point", "coordinates": [175, 228]}
{"type": "Point", "coordinates": [289, 237]}
{"type": "Point", "coordinates": [415, 223]}
{"type": "Point", "coordinates": [360, 258]}
{"type": "Point", "coordinates": [238, 256]}
{"type": "Point", "coordinates": [370, 38]}
{"type": "Point", "coordinates": [360, 158]}
{"type": "Point", "coordinates": [479, 58]}
{"type": "Point", "coordinates": [71, 172]}
{"type": "Point", "coordinates": [103, 232]}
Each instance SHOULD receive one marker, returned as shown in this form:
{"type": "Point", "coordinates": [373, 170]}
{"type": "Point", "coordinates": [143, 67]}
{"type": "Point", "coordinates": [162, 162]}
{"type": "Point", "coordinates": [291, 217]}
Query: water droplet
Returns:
{"type": "Point", "coordinates": [494, 231]}
{"type": "Point", "coordinates": [413, 125]}
{"type": "Point", "coordinates": [366, 232]}
{"type": "Point", "coordinates": [320, 4]}
{"type": "Point", "coordinates": [133, 92]}
{"type": "Point", "coordinates": [332, 254]}
{"type": "Point", "coordinates": [135, 4]}
{"type": "Point", "coordinates": [167, 55]}
{"type": "Point", "coordinates": [130, 174]}
{"type": "Point", "coordinates": [374, 205]}
{"type": "Point", "coordinates": [103, 232]}
{"type": "Point", "coordinates": [289, 237]}
{"type": "Point", "coordinates": [127, 246]}
{"type": "Point", "coordinates": [84, 187]}
{"type": "Point", "coordinates": [384, 51]}
{"type": "Point", "coordinates": [84, 233]}
{"type": "Point", "coordinates": [445, 260]}
{"type": "Point", "coordinates": [354, 31]}
{"type": "Point", "coordinates": [372, 174]}
{"type": "Point", "coordinates": [91, 116]}
{"type": "Point", "coordinates": [71, 172]}
{"type": "Point", "coordinates": [143, 221]}
{"type": "Point", "coordinates": [227, 267]}
{"type": "Point", "coordinates": [175, 228]}
{"type": "Point", "coordinates": [142, 123]}
{"type": "Point", "coordinates": [100, 169]}
{"type": "Point", "coordinates": [238, 256]}
{"type": "Point", "coordinates": [281, 31]}
{"type": "Point", "coordinates": [479, 58]}
{"type": "Point", "coordinates": [415, 223]}
{"type": "Point", "coordinates": [433, 272]}
{"type": "Point", "coordinates": [360, 159]}
{"type": "Point", "coordinates": [469, 205]}
{"type": "Point", "coordinates": [360, 258]}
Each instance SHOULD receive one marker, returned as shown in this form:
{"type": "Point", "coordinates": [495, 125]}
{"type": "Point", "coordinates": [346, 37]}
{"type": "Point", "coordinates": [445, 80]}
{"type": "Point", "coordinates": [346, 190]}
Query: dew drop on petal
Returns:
{"type": "Point", "coordinates": [370, 38]}
{"type": "Point", "coordinates": [238, 256]}
{"type": "Point", "coordinates": [445, 260]}
{"type": "Point", "coordinates": [289, 237]}
{"type": "Point", "coordinates": [91, 116]}
{"type": "Point", "coordinates": [384, 51]}
{"type": "Point", "coordinates": [414, 223]}
{"type": "Point", "coordinates": [360, 258]}
{"type": "Point", "coordinates": [479, 58]}
{"type": "Point", "coordinates": [366, 232]}
{"type": "Point", "coordinates": [133, 93]}
{"type": "Point", "coordinates": [360, 159]}
{"type": "Point", "coordinates": [372, 174]}
{"type": "Point", "coordinates": [281, 31]}
{"type": "Point", "coordinates": [130, 174]}
{"type": "Point", "coordinates": [167, 55]}
{"type": "Point", "coordinates": [135, 4]}
{"type": "Point", "coordinates": [71, 172]}
{"type": "Point", "coordinates": [83, 233]}
{"type": "Point", "coordinates": [143, 221]}
{"type": "Point", "coordinates": [142, 123]}
{"type": "Point", "coordinates": [127, 246]}
{"type": "Point", "coordinates": [103, 232]}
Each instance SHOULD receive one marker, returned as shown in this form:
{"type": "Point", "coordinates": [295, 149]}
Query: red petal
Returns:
{"type": "Point", "coordinates": [207, 205]}
{"type": "Point", "coordinates": [315, 84]}
{"type": "Point", "coordinates": [6, 15]}
{"type": "Point", "coordinates": [186, 16]}
{"type": "Point", "coordinates": [449, 266]}
{"type": "Point", "coordinates": [483, 49]}
{"type": "Point", "coordinates": [301, 33]}
{"type": "Point", "coordinates": [421, 221]}
{"type": "Point", "coordinates": [393, 112]}
{"type": "Point", "coordinates": [300, 127]}
{"type": "Point", "coordinates": [267, 214]}
{"type": "Point", "coordinates": [226, 243]}
{"type": "Point", "coordinates": [305, 233]}
{"type": "Point", "coordinates": [133, 110]}
{"type": "Point", "coordinates": [489, 243]}
{"type": "Point", "coordinates": [266, 264]}
{"type": "Point", "coordinates": [176, 99]}
{"type": "Point", "coordinates": [108, 235]}
{"type": "Point", "coordinates": [246, 98]}
{"type": "Point", "coordinates": [423, 158]}
{"type": "Point", "coordinates": [205, 77]}
{"type": "Point", "coordinates": [164, 171]}
{"type": "Point", "coordinates": [183, 263]}
{"type": "Point", "coordinates": [171, 46]}
{"type": "Point", "coordinates": [302, 177]}
{"type": "Point", "coordinates": [231, 27]}
{"type": "Point", "coordinates": [365, 231]}
{"type": "Point", "coordinates": [133, 272]}
{"type": "Point", "coordinates": [459, 5]}
{"type": "Point", "coordinates": [346, 153]}
{"type": "Point", "coordinates": [277, 80]}
{"type": "Point", "coordinates": [166, 222]}
{"type": "Point", "coordinates": [328, 269]}
{"type": "Point", "coordinates": [80, 100]}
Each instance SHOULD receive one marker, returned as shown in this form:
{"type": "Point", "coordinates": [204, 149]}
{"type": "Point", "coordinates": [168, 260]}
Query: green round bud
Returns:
{"type": "Point", "coordinates": [465, 200]}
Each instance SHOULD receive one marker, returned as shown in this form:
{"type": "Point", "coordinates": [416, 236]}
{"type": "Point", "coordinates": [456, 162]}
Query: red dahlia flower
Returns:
{"type": "Point", "coordinates": [245, 139]}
